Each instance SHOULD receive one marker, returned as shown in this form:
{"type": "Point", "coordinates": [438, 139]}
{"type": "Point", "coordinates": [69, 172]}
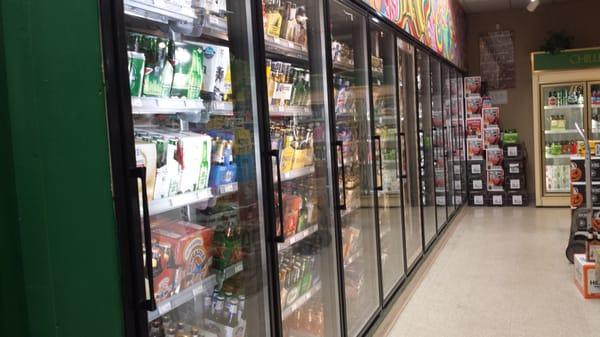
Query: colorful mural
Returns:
{"type": "Point", "coordinates": [440, 24]}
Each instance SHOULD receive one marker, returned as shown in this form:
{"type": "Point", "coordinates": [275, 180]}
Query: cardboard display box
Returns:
{"type": "Point", "coordinates": [585, 277]}
{"type": "Point", "coordinates": [478, 199]}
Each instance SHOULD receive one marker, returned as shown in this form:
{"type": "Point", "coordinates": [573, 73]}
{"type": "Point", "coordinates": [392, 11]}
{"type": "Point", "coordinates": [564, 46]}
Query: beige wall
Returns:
{"type": "Point", "coordinates": [579, 18]}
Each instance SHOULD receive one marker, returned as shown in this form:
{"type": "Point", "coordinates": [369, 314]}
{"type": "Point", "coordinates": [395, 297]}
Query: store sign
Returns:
{"type": "Point", "coordinates": [568, 59]}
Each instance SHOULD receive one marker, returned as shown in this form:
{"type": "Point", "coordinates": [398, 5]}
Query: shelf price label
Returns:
{"type": "Point", "coordinates": [165, 307]}
{"type": "Point", "coordinates": [517, 200]}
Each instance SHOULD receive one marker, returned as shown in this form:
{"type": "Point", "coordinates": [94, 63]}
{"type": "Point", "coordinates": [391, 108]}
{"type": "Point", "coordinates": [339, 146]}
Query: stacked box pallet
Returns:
{"type": "Point", "coordinates": [516, 182]}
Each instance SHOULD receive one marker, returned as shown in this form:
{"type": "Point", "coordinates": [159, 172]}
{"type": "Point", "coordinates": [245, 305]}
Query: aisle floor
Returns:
{"type": "Point", "coordinates": [500, 272]}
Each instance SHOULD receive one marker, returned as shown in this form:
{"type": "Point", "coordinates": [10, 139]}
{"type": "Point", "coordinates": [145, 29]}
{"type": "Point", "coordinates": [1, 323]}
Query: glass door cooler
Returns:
{"type": "Point", "coordinates": [409, 141]}
{"type": "Point", "coordinates": [355, 142]}
{"type": "Point", "coordinates": [457, 147]}
{"type": "Point", "coordinates": [448, 139]}
{"type": "Point", "coordinates": [439, 155]}
{"type": "Point", "coordinates": [426, 143]}
{"type": "Point", "coordinates": [199, 254]}
{"type": "Point", "coordinates": [563, 105]}
{"type": "Point", "coordinates": [594, 110]}
{"type": "Point", "coordinates": [295, 66]}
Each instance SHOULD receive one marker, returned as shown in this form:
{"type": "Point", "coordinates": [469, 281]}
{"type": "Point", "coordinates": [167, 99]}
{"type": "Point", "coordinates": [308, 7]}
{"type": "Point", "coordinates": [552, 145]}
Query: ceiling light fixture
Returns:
{"type": "Point", "coordinates": [533, 4]}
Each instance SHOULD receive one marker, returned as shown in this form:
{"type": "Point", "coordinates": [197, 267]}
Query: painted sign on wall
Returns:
{"type": "Point", "coordinates": [439, 24]}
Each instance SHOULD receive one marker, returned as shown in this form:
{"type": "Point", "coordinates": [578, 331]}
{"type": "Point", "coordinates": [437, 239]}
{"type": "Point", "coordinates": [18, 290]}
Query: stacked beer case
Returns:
{"type": "Point", "coordinates": [496, 173]}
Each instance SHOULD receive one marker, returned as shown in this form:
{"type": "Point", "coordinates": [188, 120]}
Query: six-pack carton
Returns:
{"type": "Point", "coordinates": [191, 248]}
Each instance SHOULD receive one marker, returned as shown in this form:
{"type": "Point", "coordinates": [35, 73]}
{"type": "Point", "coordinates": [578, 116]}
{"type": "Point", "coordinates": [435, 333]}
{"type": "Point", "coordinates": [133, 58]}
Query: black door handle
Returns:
{"type": "Point", "coordinates": [279, 236]}
{"type": "Point", "coordinates": [377, 139]}
{"type": "Point", "coordinates": [150, 303]}
{"type": "Point", "coordinates": [340, 145]}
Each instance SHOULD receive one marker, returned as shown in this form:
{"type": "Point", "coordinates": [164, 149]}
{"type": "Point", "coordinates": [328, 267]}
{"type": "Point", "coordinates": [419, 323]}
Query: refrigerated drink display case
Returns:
{"type": "Point", "coordinates": [594, 110]}
{"type": "Point", "coordinates": [356, 171]}
{"type": "Point", "coordinates": [563, 106]}
{"type": "Point", "coordinates": [192, 138]}
{"type": "Point", "coordinates": [439, 156]}
{"type": "Point", "coordinates": [409, 141]}
{"type": "Point", "coordinates": [389, 166]}
{"type": "Point", "coordinates": [299, 136]}
{"type": "Point", "coordinates": [426, 146]}
{"type": "Point", "coordinates": [448, 138]}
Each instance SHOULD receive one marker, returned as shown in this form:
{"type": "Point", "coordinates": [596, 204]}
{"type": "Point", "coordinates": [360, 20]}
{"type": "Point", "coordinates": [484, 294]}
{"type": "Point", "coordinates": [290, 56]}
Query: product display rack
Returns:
{"type": "Point", "coordinates": [353, 140]}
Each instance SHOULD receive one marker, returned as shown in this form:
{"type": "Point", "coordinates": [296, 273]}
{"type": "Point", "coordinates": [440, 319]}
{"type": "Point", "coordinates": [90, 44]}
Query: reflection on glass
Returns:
{"type": "Point", "coordinates": [456, 141]}
{"type": "Point", "coordinates": [194, 129]}
{"type": "Point", "coordinates": [439, 158]}
{"type": "Point", "coordinates": [426, 146]}
{"type": "Point", "coordinates": [409, 134]}
{"type": "Point", "coordinates": [461, 136]}
{"type": "Point", "coordinates": [299, 138]}
{"type": "Point", "coordinates": [355, 168]}
{"type": "Point", "coordinates": [563, 106]}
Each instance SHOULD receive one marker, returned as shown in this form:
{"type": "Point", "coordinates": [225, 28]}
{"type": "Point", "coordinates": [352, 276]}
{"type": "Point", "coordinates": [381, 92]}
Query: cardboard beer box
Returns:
{"type": "Point", "coordinates": [491, 116]}
{"type": "Point", "coordinates": [476, 168]}
{"type": "Point", "coordinates": [194, 153]}
{"type": "Point", "coordinates": [474, 127]}
{"type": "Point", "coordinates": [167, 168]}
{"type": "Point", "coordinates": [494, 157]}
{"type": "Point", "coordinates": [216, 63]}
{"type": "Point", "coordinates": [491, 136]}
{"type": "Point", "coordinates": [578, 169]}
{"type": "Point", "coordinates": [497, 198]}
{"type": "Point", "coordinates": [474, 149]}
{"type": "Point", "coordinates": [136, 66]}
{"type": "Point", "coordinates": [474, 106]}
{"type": "Point", "coordinates": [585, 277]}
{"type": "Point", "coordinates": [472, 86]}
{"type": "Point", "coordinates": [495, 180]}
{"type": "Point", "coordinates": [191, 249]}
{"type": "Point", "coordinates": [145, 156]}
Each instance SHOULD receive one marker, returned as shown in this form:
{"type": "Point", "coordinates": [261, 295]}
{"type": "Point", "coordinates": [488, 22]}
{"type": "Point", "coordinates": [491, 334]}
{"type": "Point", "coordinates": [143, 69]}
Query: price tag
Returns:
{"type": "Point", "coordinates": [219, 106]}
{"type": "Point", "coordinates": [478, 200]}
{"type": "Point", "coordinates": [517, 200]}
{"type": "Point", "coordinates": [456, 169]}
{"type": "Point", "coordinates": [458, 200]}
{"type": "Point", "coordinates": [457, 185]}
{"type": "Point", "coordinates": [515, 184]}
{"type": "Point", "coordinates": [476, 168]}
{"type": "Point", "coordinates": [291, 44]}
{"type": "Point", "coordinates": [198, 290]}
{"type": "Point", "coordinates": [239, 267]}
{"type": "Point", "coordinates": [213, 20]}
{"type": "Point", "coordinates": [440, 200]}
{"type": "Point", "coordinates": [283, 91]}
{"type": "Point", "coordinates": [478, 184]}
{"type": "Point", "coordinates": [164, 308]}
{"type": "Point", "coordinates": [512, 151]}
{"type": "Point", "coordinates": [513, 168]}
{"type": "Point", "coordinates": [497, 200]}
{"type": "Point", "coordinates": [136, 101]}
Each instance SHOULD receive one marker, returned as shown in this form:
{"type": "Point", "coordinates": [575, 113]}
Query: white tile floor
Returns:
{"type": "Point", "coordinates": [502, 272]}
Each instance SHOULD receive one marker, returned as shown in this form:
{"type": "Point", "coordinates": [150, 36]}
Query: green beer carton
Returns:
{"type": "Point", "coordinates": [136, 64]}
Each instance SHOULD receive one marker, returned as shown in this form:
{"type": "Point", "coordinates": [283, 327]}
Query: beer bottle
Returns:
{"type": "Point", "coordinates": [241, 306]}
{"type": "Point", "coordinates": [231, 313]}
{"type": "Point", "coordinates": [195, 332]}
{"type": "Point", "coordinates": [171, 332]}
{"type": "Point", "coordinates": [181, 330]}
{"type": "Point", "coordinates": [156, 329]}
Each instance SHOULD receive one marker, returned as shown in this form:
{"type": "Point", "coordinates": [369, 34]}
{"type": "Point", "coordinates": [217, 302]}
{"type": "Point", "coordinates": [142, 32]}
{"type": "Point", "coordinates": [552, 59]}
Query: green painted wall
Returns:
{"type": "Point", "coordinates": [56, 111]}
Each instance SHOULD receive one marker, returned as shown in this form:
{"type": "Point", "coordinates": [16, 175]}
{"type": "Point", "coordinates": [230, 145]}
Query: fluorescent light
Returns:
{"type": "Point", "coordinates": [533, 5]}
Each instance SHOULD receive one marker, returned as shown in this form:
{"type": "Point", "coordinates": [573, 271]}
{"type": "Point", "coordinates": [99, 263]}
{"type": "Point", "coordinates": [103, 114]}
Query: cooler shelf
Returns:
{"type": "Point", "coordinates": [297, 173]}
{"type": "Point", "coordinates": [171, 106]}
{"type": "Point", "coordinates": [183, 297]}
{"type": "Point", "coordinates": [352, 258]}
{"type": "Point", "coordinates": [286, 47]}
{"type": "Point", "coordinates": [289, 111]}
{"type": "Point", "coordinates": [162, 14]}
{"type": "Point", "coordinates": [164, 205]}
{"type": "Point", "coordinates": [297, 237]}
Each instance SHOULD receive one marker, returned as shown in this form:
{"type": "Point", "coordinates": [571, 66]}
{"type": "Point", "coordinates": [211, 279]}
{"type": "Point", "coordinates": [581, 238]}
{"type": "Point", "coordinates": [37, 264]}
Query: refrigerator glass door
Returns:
{"type": "Point", "coordinates": [354, 136]}
{"type": "Point", "coordinates": [426, 146]}
{"type": "Point", "coordinates": [448, 149]}
{"type": "Point", "coordinates": [196, 128]}
{"type": "Point", "coordinates": [409, 136]}
{"type": "Point", "coordinates": [456, 147]}
{"type": "Point", "coordinates": [439, 157]}
{"type": "Point", "coordinates": [594, 115]}
{"type": "Point", "coordinates": [563, 105]}
{"type": "Point", "coordinates": [387, 159]}
{"type": "Point", "coordinates": [461, 137]}
{"type": "Point", "coordinates": [299, 134]}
